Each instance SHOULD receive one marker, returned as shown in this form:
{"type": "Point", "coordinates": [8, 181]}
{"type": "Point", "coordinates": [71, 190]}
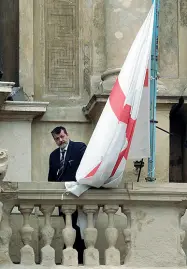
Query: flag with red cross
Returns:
{"type": "Point", "coordinates": [104, 161]}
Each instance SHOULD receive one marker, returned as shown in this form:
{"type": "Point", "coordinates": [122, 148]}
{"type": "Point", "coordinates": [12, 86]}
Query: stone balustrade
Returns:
{"type": "Point", "coordinates": [153, 235]}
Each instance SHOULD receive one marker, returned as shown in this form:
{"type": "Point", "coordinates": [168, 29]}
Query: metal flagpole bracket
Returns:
{"type": "Point", "coordinates": [150, 179]}
{"type": "Point", "coordinates": [153, 78]}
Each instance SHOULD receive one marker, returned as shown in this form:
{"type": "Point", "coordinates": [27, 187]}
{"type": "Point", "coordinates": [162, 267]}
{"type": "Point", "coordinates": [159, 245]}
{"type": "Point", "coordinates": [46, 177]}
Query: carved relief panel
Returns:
{"type": "Point", "coordinates": [62, 47]}
{"type": "Point", "coordinates": [59, 43]}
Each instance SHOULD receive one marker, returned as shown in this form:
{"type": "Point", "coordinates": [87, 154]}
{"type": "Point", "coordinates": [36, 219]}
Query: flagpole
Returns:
{"type": "Point", "coordinates": [153, 94]}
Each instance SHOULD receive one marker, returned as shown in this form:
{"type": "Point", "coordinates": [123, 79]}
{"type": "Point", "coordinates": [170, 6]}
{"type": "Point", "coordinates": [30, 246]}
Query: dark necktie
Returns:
{"type": "Point", "coordinates": [62, 161]}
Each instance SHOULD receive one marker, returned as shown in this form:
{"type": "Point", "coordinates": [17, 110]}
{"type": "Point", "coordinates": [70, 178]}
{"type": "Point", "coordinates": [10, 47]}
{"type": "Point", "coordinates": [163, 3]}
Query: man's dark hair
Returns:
{"type": "Point", "coordinates": [58, 129]}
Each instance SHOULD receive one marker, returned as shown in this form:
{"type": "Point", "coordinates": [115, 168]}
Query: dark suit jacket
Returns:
{"type": "Point", "coordinates": [73, 157]}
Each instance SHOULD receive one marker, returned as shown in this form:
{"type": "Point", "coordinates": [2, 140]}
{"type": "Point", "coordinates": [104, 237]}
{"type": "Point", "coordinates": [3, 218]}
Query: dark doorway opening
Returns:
{"type": "Point", "coordinates": [9, 40]}
{"type": "Point", "coordinates": [178, 145]}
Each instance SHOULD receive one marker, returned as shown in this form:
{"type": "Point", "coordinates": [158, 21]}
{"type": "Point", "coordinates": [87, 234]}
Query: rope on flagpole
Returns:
{"type": "Point", "coordinates": [153, 95]}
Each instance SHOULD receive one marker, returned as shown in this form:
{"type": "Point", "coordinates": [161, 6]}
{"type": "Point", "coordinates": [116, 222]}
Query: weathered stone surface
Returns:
{"type": "Point", "coordinates": [156, 237]}
{"type": "Point", "coordinates": [122, 22]}
{"type": "Point", "coordinates": [15, 119]}
{"type": "Point", "coordinates": [48, 256]}
{"type": "Point", "coordinates": [98, 45]}
{"type": "Point", "coordinates": [168, 41]}
{"type": "Point", "coordinates": [182, 22]}
{"type": "Point", "coordinates": [9, 187]}
{"type": "Point", "coordinates": [5, 233]}
{"type": "Point", "coordinates": [27, 255]}
{"type": "Point", "coordinates": [3, 163]}
{"type": "Point", "coordinates": [26, 49]}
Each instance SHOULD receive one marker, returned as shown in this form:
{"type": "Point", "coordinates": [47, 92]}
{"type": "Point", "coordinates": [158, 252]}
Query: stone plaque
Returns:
{"type": "Point", "coordinates": [62, 47]}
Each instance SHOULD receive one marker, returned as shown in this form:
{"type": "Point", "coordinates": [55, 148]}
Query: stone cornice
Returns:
{"type": "Point", "coordinates": [22, 110]}
{"type": "Point", "coordinates": [97, 102]}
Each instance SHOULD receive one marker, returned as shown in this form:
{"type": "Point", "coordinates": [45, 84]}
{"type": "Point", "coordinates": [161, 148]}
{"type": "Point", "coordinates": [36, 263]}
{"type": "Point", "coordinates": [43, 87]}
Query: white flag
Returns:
{"type": "Point", "coordinates": [140, 146]}
{"type": "Point", "coordinates": [104, 160]}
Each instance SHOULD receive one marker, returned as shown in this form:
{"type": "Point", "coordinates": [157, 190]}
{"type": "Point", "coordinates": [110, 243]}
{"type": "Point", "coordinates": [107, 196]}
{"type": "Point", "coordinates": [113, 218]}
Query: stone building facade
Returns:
{"type": "Point", "coordinates": [59, 51]}
{"type": "Point", "coordinates": [66, 55]}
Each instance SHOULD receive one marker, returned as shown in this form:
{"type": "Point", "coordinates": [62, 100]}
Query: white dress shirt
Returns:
{"type": "Point", "coordinates": [65, 149]}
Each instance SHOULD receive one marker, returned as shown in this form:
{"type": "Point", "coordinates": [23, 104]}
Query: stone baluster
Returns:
{"type": "Point", "coordinates": [27, 252]}
{"type": "Point", "coordinates": [91, 254]}
{"type": "Point", "coordinates": [47, 252]}
{"type": "Point", "coordinates": [69, 255]}
{"type": "Point", "coordinates": [112, 255]}
{"type": "Point", "coordinates": [5, 233]}
{"type": "Point", "coordinates": [127, 233]}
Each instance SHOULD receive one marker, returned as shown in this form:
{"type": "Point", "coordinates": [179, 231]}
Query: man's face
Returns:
{"type": "Point", "coordinates": [61, 139]}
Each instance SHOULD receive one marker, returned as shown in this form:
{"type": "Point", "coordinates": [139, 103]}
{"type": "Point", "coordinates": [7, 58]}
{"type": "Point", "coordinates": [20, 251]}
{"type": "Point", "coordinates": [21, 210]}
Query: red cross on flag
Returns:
{"type": "Point", "coordinates": [105, 158]}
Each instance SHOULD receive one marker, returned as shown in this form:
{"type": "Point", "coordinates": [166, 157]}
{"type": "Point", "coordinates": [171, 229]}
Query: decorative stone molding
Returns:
{"type": "Point", "coordinates": [5, 90]}
{"type": "Point", "coordinates": [3, 163]}
{"type": "Point", "coordinates": [108, 79]}
{"type": "Point", "coordinates": [95, 106]}
{"type": "Point", "coordinates": [22, 110]}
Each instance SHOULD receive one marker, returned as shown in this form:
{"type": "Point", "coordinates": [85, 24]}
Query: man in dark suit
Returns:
{"type": "Point", "coordinates": [63, 164]}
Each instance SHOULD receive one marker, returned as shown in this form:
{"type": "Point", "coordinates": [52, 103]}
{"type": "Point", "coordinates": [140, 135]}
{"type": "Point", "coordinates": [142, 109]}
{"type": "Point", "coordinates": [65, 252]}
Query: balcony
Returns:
{"type": "Point", "coordinates": [149, 235]}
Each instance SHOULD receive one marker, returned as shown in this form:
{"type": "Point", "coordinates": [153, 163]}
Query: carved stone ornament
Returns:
{"type": "Point", "coordinates": [3, 163]}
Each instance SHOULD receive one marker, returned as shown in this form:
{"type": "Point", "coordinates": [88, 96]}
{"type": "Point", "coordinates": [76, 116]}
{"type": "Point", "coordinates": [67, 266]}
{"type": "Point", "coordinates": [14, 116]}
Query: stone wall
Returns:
{"type": "Point", "coordinates": [172, 46]}
{"type": "Point", "coordinates": [65, 46]}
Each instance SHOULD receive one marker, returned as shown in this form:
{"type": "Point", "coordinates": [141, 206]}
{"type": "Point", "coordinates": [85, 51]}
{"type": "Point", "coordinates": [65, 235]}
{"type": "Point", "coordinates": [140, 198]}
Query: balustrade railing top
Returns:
{"type": "Point", "coordinates": [43, 191]}
{"type": "Point", "coordinates": [152, 211]}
